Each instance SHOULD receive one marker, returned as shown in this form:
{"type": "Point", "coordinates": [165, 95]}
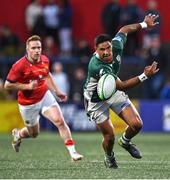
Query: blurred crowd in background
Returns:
{"type": "Point", "coordinates": [70, 57]}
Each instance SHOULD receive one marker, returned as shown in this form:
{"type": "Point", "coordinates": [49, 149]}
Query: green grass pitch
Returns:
{"type": "Point", "coordinates": [46, 157]}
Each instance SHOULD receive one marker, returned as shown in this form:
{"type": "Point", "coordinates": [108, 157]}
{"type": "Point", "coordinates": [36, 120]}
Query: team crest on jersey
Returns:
{"type": "Point", "coordinates": [118, 58]}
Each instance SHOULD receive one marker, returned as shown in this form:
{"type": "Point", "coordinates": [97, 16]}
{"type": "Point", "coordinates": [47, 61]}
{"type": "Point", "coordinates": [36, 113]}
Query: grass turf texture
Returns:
{"type": "Point", "coordinates": [46, 157]}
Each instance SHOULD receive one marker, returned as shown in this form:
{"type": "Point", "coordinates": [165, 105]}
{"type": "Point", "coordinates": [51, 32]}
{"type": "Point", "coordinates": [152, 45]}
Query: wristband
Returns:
{"type": "Point", "coordinates": [142, 77]}
{"type": "Point", "coordinates": [143, 25]}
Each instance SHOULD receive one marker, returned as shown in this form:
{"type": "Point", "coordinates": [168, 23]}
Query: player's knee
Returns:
{"type": "Point", "coordinates": [137, 125]}
{"type": "Point", "coordinates": [59, 122]}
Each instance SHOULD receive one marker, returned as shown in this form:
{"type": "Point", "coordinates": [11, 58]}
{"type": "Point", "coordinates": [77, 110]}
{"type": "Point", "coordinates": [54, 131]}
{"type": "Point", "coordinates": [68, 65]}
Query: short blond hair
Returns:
{"type": "Point", "coordinates": [33, 38]}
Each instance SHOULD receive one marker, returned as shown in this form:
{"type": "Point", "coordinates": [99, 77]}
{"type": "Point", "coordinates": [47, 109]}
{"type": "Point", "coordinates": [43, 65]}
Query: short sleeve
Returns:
{"type": "Point", "coordinates": [118, 41]}
{"type": "Point", "coordinates": [14, 73]}
{"type": "Point", "coordinates": [117, 48]}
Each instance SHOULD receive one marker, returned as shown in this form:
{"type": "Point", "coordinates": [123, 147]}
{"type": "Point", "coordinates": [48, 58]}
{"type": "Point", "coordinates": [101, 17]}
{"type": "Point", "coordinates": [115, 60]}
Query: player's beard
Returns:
{"type": "Point", "coordinates": [107, 58]}
{"type": "Point", "coordinates": [36, 58]}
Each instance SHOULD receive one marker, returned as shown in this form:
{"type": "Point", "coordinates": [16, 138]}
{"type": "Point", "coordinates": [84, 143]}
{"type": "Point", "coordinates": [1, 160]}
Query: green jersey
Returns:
{"type": "Point", "coordinates": [97, 67]}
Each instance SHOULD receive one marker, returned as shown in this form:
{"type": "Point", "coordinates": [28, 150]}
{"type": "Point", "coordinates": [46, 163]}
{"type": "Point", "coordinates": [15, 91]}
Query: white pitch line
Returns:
{"type": "Point", "coordinates": [137, 161]}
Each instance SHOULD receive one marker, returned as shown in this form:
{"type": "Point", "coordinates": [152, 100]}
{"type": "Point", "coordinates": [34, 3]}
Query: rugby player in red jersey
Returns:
{"type": "Point", "coordinates": [31, 77]}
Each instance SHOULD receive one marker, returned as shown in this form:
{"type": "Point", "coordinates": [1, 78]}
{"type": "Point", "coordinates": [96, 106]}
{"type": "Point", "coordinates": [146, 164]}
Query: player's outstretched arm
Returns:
{"type": "Point", "coordinates": [148, 72]}
{"type": "Point", "coordinates": [149, 22]}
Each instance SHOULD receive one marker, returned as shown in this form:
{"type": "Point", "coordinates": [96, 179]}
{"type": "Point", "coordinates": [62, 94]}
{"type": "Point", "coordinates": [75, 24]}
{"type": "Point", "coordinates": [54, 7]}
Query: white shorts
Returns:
{"type": "Point", "coordinates": [99, 111]}
{"type": "Point", "coordinates": [31, 113]}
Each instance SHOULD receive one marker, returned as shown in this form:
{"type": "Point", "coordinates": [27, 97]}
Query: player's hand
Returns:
{"type": "Point", "coordinates": [62, 97]}
{"type": "Point", "coordinates": [151, 70]}
{"type": "Point", "coordinates": [32, 85]}
{"type": "Point", "coordinates": [150, 20]}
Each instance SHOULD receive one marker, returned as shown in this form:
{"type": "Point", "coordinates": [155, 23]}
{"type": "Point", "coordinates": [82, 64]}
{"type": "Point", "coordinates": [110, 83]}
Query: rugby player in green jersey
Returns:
{"type": "Point", "coordinates": [107, 60]}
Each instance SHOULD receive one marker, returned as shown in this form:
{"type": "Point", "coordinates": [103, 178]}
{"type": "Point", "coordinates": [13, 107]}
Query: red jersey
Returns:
{"type": "Point", "coordinates": [23, 71]}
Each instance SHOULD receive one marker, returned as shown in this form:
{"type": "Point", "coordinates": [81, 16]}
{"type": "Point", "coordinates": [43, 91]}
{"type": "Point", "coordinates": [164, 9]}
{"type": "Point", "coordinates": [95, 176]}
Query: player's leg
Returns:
{"type": "Point", "coordinates": [130, 115]}
{"type": "Point", "coordinates": [29, 131]}
{"type": "Point", "coordinates": [107, 131]}
{"type": "Point", "coordinates": [99, 113]}
{"type": "Point", "coordinates": [52, 111]}
{"type": "Point", "coordinates": [30, 116]}
{"type": "Point", "coordinates": [25, 132]}
{"type": "Point", "coordinates": [54, 114]}
{"type": "Point", "coordinates": [122, 106]}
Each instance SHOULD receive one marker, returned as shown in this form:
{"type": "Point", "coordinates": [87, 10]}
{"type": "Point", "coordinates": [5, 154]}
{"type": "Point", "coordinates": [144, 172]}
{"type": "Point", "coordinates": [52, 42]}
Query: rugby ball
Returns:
{"type": "Point", "coordinates": [106, 86]}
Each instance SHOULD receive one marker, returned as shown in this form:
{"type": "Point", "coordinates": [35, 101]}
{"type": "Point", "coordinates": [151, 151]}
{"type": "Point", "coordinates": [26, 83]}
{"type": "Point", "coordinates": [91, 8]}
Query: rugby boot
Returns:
{"type": "Point", "coordinates": [110, 161]}
{"type": "Point", "coordinates": [16, 142]}
{"type": "Point", "coordinates": [131, 148]}
{"type": "Point", "coordinates": [76, 156]}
